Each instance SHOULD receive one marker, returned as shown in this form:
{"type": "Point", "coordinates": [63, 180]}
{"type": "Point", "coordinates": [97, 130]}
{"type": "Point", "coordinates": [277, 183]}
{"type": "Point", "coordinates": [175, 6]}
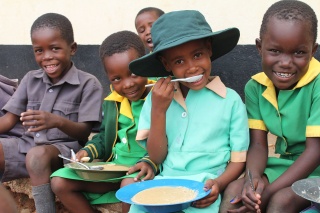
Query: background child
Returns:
{"type": "Point", "coordinates": [57, 103]}
{"type": "Point", "coordinates": [143, 23]}
{"type": "Point", "coordinates": [116, 139]}
{"type": "Point", "coordinates": [195, 130]}
{"type": "Point", "coordinates": [7, 88]}
{"type": "Point", "coordinates": [284, 99]}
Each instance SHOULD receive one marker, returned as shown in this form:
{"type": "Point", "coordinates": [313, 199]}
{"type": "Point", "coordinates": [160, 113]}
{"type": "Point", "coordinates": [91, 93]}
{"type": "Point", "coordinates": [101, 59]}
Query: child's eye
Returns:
{"type": "Point", "coordinates": [274, 51]}
{"type": "Point", "coordinates": [141, 30]}
{"type": "Point", "coordinates": [55, 48]}
{"type": "Point", "coordinates": [180, 61]}
{"type": "Point", "coordinates": [299, 52]}
{"type": "Point", "coordinates": [115, 79]}
{"type": "Point", "coordinates": [197, 55]}
{"type": "Point", "coordinates": [38, 50]}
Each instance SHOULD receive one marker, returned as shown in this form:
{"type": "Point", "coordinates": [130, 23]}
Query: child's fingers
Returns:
{"type": "Point", "coordinates": [162, 82]}
{"type": "Point", "coordinates": [29, 112]}
{"type": "Point", "coordinates": [82, 154]}
{"type": "Point", "coordinates": [139, 176]}
{"type": "Point", "coordinates": [131, 170]}
{"type": "Point", "coordinates": [249, 203]}
{"type": "Point", "coordinates": [85, 159]}
{"type": "Point", "coordinates": [259, 189]}
{"type": "Point", "coordinates": [236, 199]}
{"type": "Point", "coordinates": [204, 202]}
{"type": "Point", "coordinates": [148, 175]}
{"type": "Point", "coordinates": [209, 183]}
{"type": "Point", "coordinates": [36, 128]}
{"type": "Point", "coordinates": [242, 209]}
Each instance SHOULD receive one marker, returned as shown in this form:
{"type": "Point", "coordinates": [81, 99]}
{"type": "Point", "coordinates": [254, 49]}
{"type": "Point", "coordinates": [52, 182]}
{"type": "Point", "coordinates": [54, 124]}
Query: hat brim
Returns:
{"type": "Point", "coordinates": [150, 65]}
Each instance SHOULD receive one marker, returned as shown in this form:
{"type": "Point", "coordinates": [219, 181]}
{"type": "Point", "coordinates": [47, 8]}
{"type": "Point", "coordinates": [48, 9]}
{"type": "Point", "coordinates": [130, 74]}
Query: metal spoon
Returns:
{"type": "Point", "coordinates": [81, 164]}
{"type": "Point", "coordinates": [190, 79]}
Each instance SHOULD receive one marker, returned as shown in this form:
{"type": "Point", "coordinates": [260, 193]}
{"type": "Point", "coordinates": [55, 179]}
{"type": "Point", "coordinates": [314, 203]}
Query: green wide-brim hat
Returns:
{"type": "Point", "coordinates": [178, 27]}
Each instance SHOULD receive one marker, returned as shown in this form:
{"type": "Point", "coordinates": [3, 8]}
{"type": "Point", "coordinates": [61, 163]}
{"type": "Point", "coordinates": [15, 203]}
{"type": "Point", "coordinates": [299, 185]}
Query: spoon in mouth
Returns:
{"type": "Point", "coordinates": [190, 79]}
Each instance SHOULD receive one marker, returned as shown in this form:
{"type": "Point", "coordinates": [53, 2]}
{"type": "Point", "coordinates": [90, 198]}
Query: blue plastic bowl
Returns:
{"type": "Point", "coordinates": [126, 193]}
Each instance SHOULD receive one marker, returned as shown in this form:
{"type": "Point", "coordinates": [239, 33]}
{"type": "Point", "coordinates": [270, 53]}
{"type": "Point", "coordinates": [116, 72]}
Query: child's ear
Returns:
{"type": "Point", "coordinates": [74, 47]}
{"type": "Point", "coordinates": [314, 49]}
{"type": "Point", "coordinates": [165, 63]}
{"type": "Point", "coordinates": [258, 45]}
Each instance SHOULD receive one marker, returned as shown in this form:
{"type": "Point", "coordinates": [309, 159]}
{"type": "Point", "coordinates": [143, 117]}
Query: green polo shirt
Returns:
{"type": "Point", "coordinates": [292, 116]}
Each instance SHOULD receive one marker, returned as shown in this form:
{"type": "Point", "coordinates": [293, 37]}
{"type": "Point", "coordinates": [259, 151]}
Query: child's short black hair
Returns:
{"type": "Point", "coordinates": [120, 42]}
{"type": "Point", "coordinates": [150, 9]}
{"type": "Point", "coordinates": [291, 10]}
{"type": "Point", "coordinates": [57, 22]}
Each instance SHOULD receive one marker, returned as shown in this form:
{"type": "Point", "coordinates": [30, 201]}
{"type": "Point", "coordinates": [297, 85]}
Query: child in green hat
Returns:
{"type": "Point", "coordinates": [196, 130]}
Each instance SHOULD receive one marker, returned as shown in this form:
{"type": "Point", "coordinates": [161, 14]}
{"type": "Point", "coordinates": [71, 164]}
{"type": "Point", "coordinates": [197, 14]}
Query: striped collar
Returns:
{"type": "Point", "coordinates": [125, 106]}
{"type": "Point", "coordinates": [270, 93]}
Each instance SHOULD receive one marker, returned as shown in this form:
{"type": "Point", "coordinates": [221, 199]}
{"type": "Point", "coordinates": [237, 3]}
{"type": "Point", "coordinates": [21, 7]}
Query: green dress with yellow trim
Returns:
{"type": "Point", "coordinates": [115, 142]}
{"type": "Point", "coordinates": [292, 116]}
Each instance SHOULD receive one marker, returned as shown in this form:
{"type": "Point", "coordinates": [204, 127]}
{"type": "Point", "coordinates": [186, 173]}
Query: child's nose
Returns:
{"type": "Point", "coordinates": [148, 30]}
{"type": "Point", "coordinates": [286, 60]}
{"type": "Point", "coordinates": [47, 55]}
{"type": "Point", "coordinates": [128, 83]}
{"type": "Point", "coordinates": [192, 67]}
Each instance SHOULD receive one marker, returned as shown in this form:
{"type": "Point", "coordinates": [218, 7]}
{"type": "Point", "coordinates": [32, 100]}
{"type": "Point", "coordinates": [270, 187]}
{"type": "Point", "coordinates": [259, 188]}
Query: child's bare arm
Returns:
{"type": "Point", "coordinates": [8, 121]}
{"type": "Point", "coordinates": [38, 120]}
{"type": "Point", "coordinates": [157, 143]}
{"type": "Point", "coordinates": [307, 162]}
{"type": "Point", "coordinates": [232, 172]}
{"type": "Point", "coordinates": [256, 161]}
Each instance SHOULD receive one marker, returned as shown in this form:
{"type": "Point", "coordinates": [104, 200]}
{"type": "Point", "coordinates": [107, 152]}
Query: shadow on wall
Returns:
{"type": "Point", "coordinates": [235, 68]}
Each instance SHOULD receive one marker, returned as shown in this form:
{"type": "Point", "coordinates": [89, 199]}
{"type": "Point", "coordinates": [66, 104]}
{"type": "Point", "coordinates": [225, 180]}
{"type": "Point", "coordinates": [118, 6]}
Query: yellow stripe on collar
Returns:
{"type": "Point", "coordinates": [270, 93]}
{"type": "Point", "coordinates": [125, 107]}
{"type": "Point", "coordinates": [312, 73]}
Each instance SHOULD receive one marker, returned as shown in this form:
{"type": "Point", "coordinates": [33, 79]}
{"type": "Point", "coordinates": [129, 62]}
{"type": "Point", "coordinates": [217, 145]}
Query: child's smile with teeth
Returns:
{"type": "Point", "coordinates": [51, 68]}
{"type": "Point", "coordinates": [283, 74]}
{"type": "Point", "coordinates": [287, 48]}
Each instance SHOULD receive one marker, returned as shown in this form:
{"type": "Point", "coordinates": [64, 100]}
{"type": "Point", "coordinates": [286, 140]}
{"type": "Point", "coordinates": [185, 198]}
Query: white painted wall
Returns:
{"type": "Point", "coordinates": [94, 20]}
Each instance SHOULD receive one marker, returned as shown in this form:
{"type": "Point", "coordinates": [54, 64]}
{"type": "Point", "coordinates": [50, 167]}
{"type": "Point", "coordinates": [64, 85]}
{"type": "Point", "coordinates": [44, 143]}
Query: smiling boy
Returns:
{"type": "Point", "coordinates": [57, 104]}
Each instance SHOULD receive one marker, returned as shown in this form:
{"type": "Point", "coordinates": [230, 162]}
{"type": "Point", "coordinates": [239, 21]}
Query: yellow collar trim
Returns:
{"type": "Point", "coordinates": [125, 106]}
{"type": "Point", "coordinates": [270, 93]}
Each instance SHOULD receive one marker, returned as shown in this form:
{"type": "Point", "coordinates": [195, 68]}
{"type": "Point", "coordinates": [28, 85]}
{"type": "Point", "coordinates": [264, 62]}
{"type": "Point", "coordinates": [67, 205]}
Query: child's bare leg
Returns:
{"type": "Point", "coordinates": [70, 192]}
{"type": "Point", "coordinates": [233, 189]}
{"type": "Point", "coordinates": [124, 182]}
{"type": "Point", "coordinates": [7, 203]}
{"type": "Point", "coordinates": [285, 200]}
{"type": "Point", "coordinates": [40, 162]}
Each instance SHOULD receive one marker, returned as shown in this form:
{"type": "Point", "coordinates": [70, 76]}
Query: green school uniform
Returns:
{"type": "Point", "coordinates": [115, 142]}
{"type": "Point", "coordinates": [292, 116]}
{"type": "Point", "coordinates": [205, 131]}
